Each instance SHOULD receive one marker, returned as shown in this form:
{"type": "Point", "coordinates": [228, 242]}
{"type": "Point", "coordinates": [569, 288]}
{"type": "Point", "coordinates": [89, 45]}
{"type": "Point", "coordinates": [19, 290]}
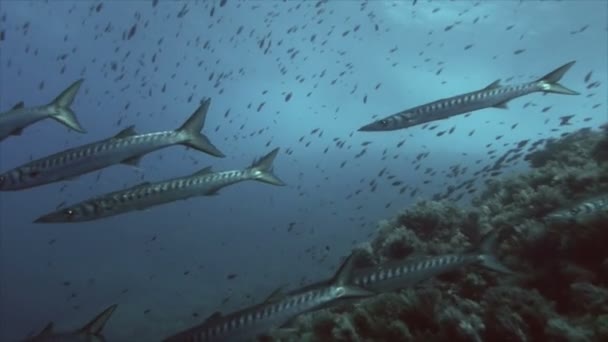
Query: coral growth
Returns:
{"type": "Point", "coordinates": [560, 290]}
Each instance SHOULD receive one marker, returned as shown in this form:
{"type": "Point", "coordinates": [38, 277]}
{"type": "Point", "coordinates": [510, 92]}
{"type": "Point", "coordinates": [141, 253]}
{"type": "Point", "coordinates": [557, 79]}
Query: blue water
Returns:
{"type": "Point", "coordinates": [69, 272]}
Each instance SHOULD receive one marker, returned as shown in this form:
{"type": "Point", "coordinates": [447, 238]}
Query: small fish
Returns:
{"type": "Point", "coordinates": [90, 332]}
{"type": "Point", "coordinates": [15, 120]}
{"type": "Point", "coordinates": [583, 211]}
{"type": "Point", "coordinates": [494, 95]}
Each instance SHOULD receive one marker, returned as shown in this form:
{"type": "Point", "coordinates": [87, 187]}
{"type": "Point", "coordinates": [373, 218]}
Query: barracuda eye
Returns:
{"type": "Point", "coordinates": [69, 213]}
{"type": "Point", "coordinates": [383, 122]}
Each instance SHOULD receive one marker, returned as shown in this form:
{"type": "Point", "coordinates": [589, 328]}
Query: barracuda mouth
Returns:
{"type": "Point", "coordinates": [376, 126]}
{"type": "Point", "coordinates": [66, 215]}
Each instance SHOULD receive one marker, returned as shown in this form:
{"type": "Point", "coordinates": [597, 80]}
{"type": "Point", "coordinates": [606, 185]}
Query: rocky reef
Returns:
{"type": "Point", "coordinates": [559, 291]}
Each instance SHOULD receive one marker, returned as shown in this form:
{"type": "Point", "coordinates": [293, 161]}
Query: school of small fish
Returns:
{"type": "Point", "coordinates": [127, 147]}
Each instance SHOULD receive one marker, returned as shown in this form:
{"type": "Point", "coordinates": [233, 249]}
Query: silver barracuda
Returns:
{"type": "Point", "coordinates": [494, 95]}
{"type": "Point", "coordinates": [145, 195]}
{"type": "Point", "coordinates": [91, 332]}
{"type": "Point", "coordinates": [126, 147]}
{"type": "Point", "coordinates": [17, 118]}
{"type": "Point", "coordinates": [395, 275]}
{"type": "Point", "coordinates": [582, 211]}
{"type": "Point", "coordinates": [276, 311]}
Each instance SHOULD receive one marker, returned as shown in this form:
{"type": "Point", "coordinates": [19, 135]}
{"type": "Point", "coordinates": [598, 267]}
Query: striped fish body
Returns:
{"type": "Point", "coordinates": [14, 120]}
{"type": "Point", "coordinates": [126, 147]}
{"type": "Point", "coordinates": [123, 148]}
{"type": "Point", "coordinates": [147, 195]}
{"type": "Point", "coordinates": [586, 210]}
{"type": "Point", "coordinates": [248, 324]}
{"type": "Point", "coordinates": [276, 311]}
{"type": "Point", "coordinates": [494, 95]}
{"type": "Point", "coordinates": [396, 275]}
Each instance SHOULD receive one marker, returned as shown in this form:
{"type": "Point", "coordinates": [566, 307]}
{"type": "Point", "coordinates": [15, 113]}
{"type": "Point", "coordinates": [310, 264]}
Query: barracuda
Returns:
{"type": "Point", "coordinates": [127, 147]}
{"type": "Point", "coordinates": [583, 211]}
{"type": "Point", "coordinates": [15, 120]}
{"type": "Point", "coordinates": [494, 95]}
{"type": "Point", "coordinates": [276, 311]}
{"type": "Point", "coordinates": [396, 275]}
{"type": "Point", "coordinates": [89, 333]}
{"type": "Point", "coordinates": [143, 196]}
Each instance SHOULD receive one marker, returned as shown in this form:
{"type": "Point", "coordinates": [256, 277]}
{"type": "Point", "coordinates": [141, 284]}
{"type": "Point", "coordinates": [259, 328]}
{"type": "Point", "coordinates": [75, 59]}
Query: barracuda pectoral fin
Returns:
{"type": "Point", "coordinates": [284, 333]}
{"type": "Point", "coordinates": [127, 132]}
{"type": "Point", "coordinates": [213, 192]}
{"type": "Point", "coordinates": [95, 326]}
{"type": "Point", "coordinates": [133, 161]}
{"type": "Point", "coordinates": [61, 107]}
{"type": "Point", "coordinates": [493, 85]}
{"type": "Point", "coordinates": [19, 105]}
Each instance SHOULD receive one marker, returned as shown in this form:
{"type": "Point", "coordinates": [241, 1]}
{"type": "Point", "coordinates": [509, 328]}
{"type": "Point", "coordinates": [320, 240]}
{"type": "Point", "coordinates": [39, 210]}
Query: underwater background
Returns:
{"type": "Point", "coordinates": [304, 76]}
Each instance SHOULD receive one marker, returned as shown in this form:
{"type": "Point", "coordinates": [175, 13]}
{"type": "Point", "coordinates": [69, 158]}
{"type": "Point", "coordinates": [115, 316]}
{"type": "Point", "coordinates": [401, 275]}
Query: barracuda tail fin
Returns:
{"type": "Point", "coordinates": [191, 129]}
{"type": "Point", "coordinates": [549, 82]}
{"type": "Point", "coordinates": [95, 326]}
{"type": "Point", "coordinates": [62, 111]}
{"type": "Point", "coordinates": [263, 169]}
{"type": "Point", "coordinates": [487, 250]}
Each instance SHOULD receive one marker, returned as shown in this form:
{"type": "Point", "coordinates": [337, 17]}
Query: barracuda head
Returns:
{"type": "Point", "coordinates": [390, 123]}
{"type": "Point", "coordinates": [63, 215]}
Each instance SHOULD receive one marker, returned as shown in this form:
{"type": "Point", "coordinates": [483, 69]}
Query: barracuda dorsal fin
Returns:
{"type": "Point", "coordinates": [213, 317]}
{"type": "Point", "coordinates": [204, 171]}
{"type": "Point", "coordinates": [19, 105]}
{"type": "Point", "coordinates": [127, 132]}
{"type": "Point", "coordinates": [95, 326]}
{"type": "Point", "coordinates": [141, 184]}
{"type": "Point", "coordinates": [343, 273]}
{"type": "Point", "coordinates": [493, 85]}
{"type": "Point", "coordinates": [48, 330]}
{"type": "Point", "coordinates": [275, 295]}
